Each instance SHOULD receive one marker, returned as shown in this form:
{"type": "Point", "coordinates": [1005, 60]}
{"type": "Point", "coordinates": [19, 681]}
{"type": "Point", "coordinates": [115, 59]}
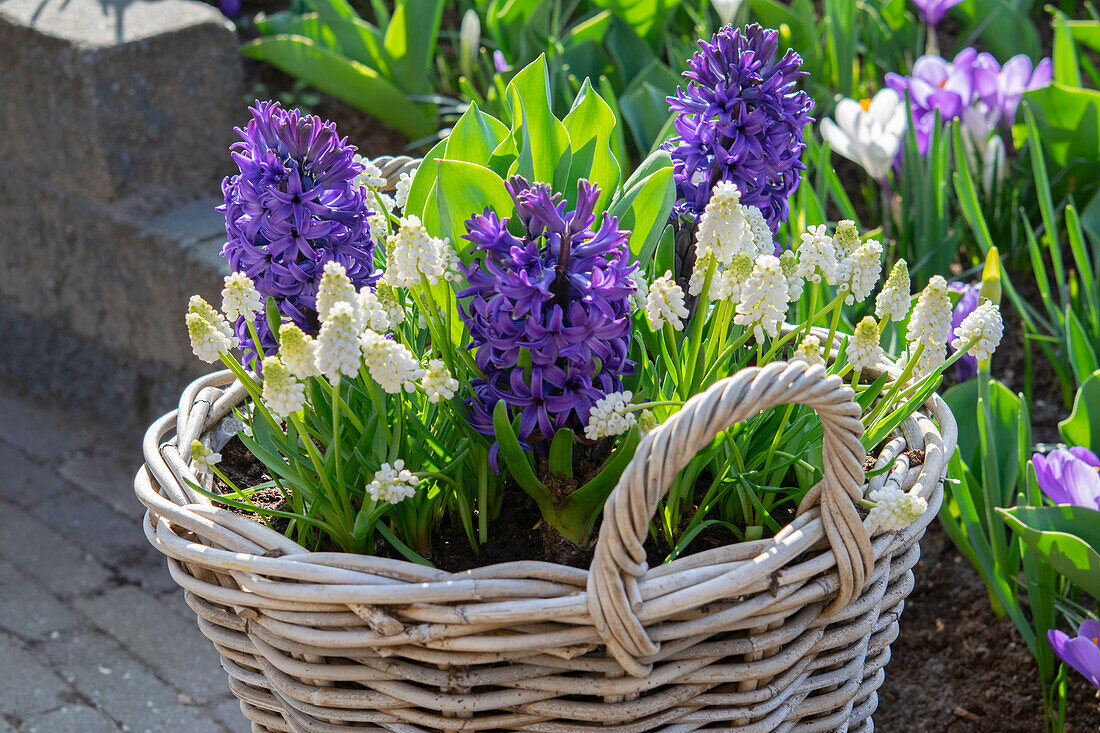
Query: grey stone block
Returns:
{"type": "Point", "coordinates": [160, 637]}
{"type": "Point", "coordinates": [34, 689]}
{"type": "Point", "coordinates": [108, 475]}
{"type": "Point", "coordinates": [229, 715]}
{"type": "Point", "coordinates": [35, 431]}
{"type": "Point", "coordinates": [60, 565]}
{"type": "Point", "coordinates": [109, 99]}
{"type": "Point", "coordinates": [25, 482]}
{"type": "Point", "coordinates": [122, 687]}
{"type": "Point", "coordinates": [69, 719]}
{"type": "Point", "coordinates": [27, 609]}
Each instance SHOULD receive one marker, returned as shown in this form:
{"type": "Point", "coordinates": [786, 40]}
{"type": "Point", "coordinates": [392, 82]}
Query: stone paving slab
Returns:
{"type": "Point", "coordinates": [99, 634]}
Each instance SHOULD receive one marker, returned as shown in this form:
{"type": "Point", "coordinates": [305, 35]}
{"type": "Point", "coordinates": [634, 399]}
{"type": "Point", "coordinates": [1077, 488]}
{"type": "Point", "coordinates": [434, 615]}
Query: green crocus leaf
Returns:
{"type": "Point", "coordinates": [1082, 427]}
{"type": "Point", "coordinates": [1005, 406]}
{"type": "Point", "coordinates": [1066, 536]}
{"type": "Point", "coordinates": [561, 453]}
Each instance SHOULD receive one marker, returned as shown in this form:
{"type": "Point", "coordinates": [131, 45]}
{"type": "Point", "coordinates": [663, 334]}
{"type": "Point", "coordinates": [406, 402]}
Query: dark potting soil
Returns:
{"type": "Point", "coordinates": [958, 668]}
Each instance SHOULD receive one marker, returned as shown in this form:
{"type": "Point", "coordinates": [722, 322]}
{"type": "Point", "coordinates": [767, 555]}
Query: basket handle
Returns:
{"type": "Point", "coordinates": [620, 559]}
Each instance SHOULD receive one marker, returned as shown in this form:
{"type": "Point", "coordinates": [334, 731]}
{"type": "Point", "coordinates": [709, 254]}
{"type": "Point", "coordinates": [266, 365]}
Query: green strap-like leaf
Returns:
{"type": "Point", "coordinates": [1066, 536]}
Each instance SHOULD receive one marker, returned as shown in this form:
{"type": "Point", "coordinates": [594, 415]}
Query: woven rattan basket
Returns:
{"type": "Point", "coordinates": [780, 634]}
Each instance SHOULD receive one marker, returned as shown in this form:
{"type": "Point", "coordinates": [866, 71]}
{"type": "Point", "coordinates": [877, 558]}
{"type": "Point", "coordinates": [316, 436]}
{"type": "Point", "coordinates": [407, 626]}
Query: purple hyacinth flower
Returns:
{"type": "Point", "coordinates": [293, 207]}
{"type": "Point", "coordinates": [936, 84]}
{"type": "Point", "coordinates": [931, 12]}
{"type": "Point", "coordinates": [1069, 476]}
{"type": "Point", "coordinates": [1082, 652]}
{"type": "Point", "coordinates": [548, 311]}
{"type": "Point", "coordinates": [967, 366]}
{"type": "Point", "coordinates": [741, 119]}
{"type": "Point", "coordinates": [230, 8]}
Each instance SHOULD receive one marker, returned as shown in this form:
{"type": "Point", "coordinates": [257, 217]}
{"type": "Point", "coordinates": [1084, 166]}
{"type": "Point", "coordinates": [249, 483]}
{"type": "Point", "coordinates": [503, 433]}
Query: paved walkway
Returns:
{"type": "Point", "coordinates": [94, 634]}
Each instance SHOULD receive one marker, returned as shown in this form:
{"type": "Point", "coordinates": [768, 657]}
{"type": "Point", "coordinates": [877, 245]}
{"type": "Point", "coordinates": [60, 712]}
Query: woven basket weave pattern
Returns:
{"type": "Point", "coordinates": [790, 633]}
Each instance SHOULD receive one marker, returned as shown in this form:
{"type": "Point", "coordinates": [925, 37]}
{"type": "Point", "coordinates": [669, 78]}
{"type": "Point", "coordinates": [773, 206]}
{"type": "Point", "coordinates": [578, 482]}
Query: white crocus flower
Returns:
{"type": "Point", "coordinates": [868, 132]}
{"type": "Point", "coordinates": [298, 350]}
{"type": "Point", "coordinates": [393, 484]}
{"type": "Point", "coordinates": [895, 509]}
{"type": "Point", "coordinates": [338, 350]}
{"type": "Point", "coordinates": [810, 351]}
{"type": "Point", "coordinates": [665, 304]}
{"type": "Point", "coordinates": [240, 298]}
{"type": "Point", "coordinates": [763, 303]}
{"type": "Point", "coordinates": [610, 416]}
{"type": "Point", "coordinates": [390, 363]}
{"type": "Point", "coordinates": [983, 327]}
{"type": "Point", "coordinates": [438, 383]}
{"type": "Point", "coordinates": [282, 393]}
{"type": "Point", "coordinates": [726, 9]}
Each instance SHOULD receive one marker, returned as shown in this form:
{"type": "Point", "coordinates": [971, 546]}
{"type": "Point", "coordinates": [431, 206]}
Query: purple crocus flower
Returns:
{"type": "Point", "coordinates": [293, 207]}
{"type": "Point", "coordinates": [967, 366]}
{"type": "Point", "coordinates": [499, 62]}
{"type": "Point", "coordinates": [1069, 476]}
{"type": "Point", "coordinates": [740, 119]}
{"type": "Point", "coordinates": [1083, 652]}
{"type": "Point", "coordinates": [1000, 88]}
{"type": "Point", "coordinates": [549, 311]}
{"type": "Point", "coordinates": [931, 11]}
{"type": "Point", "coordinates": [936, 84]}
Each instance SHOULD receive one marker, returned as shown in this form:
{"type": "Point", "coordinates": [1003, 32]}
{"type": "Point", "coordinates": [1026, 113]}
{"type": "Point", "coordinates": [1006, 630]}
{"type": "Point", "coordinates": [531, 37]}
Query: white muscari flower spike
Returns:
{"type": "Point", "coordinates": [415, 254]}
{"type": "Point", "coordinates": [207, 341]}
{"type": "Point", "coordinates": [336, 288]}
{"type": "Point", "coordinates": [610, 416]}
{"type": "Point", "coordinates": [845, 238]}
{"type": "Point", "coordinates": [763, 304]}
{"type": "Point", "coordinates": [202, 458]}
{"type": "Point", "coordinates": [860, 271]}
{"type": "Point", "coordinates": [388, 298]}
{"type": "Point", "coordinates": [204, 310]}
{"type": "Point", "coordinates": [929, 361]}
{"type": "Point", "coordinates": [647, 421]}
{"type": "Point", "coordinates": [282, 393]}
{"type": "Point", "coordinates": [438, 383]}
{"type": "Point", "coordinates": [723, 230]}
{"type": "Point", "coordinates": [240, 298]}
{"type": "Point", "coordinates": [338, 350]}
{"type": "Point", "coordinates": [726, 284]}
{"type": "Point", "coordinates": [371, 176]}
{"type": "Point", "coordinates": [641, 289]}
{"type": "Point", "coordinates": [810, 350]}
{"type": "Point", "coordinates": [983, 327]}
{"type": "Point", "coordinates": [298, 351]}
{"type": "Point", "coordinates": [789, 262]}
{"type": "Point", "coordinates": [864, 350]}
{"type": "Point", "coordinates": [665, 303]}
{"type": "Point", "coordinates": [379, 228]}
{"type": "Point", "coordinates": [816, 256]}
{"type": "Point", "coordinates": [930, 323]}
{"type": "Point", "coordinates": [893, 300]}
{"type": "Point", "coordinates": [895, 509]}
{"type": "Point", "coordinates": [377, 315]}
{"type": "Point", "coordinates": [761, 232]}
{"type": "Point", "coordinates": [393, 484]}
{"type": "Point", "coordinates": [404, 183]}
{"type": "Point", "coordinates": [391, 364]}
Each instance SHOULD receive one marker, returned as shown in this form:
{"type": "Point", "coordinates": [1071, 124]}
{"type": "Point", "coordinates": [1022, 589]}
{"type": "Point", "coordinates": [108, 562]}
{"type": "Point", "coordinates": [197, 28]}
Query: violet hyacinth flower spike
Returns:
{"type": "Point", "coordinates": [293, 206]}
{"type": "Point", "coordinates": [1069, 476]}
{"type": "Point", "coordinates": [1082, 652]}
{"type": "Point", "coordinates": [548, 311]}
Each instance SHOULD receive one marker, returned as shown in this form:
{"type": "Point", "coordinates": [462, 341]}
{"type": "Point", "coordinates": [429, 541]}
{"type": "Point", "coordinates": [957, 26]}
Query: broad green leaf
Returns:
{"type": "Point", "coordinates": [344, 79]}
{"type": "Point", "coordinates": [1068, 120]}
{"type": "Point", "coordinates": [1066, 69]}
{"type": "Point", "coordinates": [1082, 427]}
{"type": "Point", "coordinates": [358, 39]}
{"type": "Point", "coordinates": [643, 103]}
{"type": "Point", "coordinates": [540, 139]}
{"type": "Point", "coordinates": [410, 42]}
{"type": "Point", "coordinates": [423, 185]}
{"type": "Point", "coordinates": [561, 453]}
{"type": "Point", "coordinates": [307, 24]}
{"type": "Point", "coordinates": [644, 209]}
{"type": "Point", "coordinates": [1005, 408]}
{"type": "Point", "coordinates": [590, 124]}
{"type": "Point", "coordinates": [1066, 536]}
{"type": "Point", "coordinates": [475, 136]}
{"type": "Point", "coordinates": [462, 190]}
{"type": "Point", "coordinates": [515, 460]}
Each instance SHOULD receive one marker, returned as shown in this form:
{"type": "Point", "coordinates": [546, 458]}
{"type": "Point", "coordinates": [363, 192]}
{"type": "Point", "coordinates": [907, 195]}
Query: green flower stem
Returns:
{"type": "Point", "coordinates": [256, 342]}
{"type": "Point", "coordinates": [833, 326]}
{"type": "Point", "coordinates": [673, 353]}
{"type": "Point", "coordinates": [697, 323]}
{"type": "Point", "coordinates": [783, 340]}
{"type": "Point", "coordinates": [240, 494]}
{"type": "Point", "coordinates": [891, 396]}
{"type": "Point", "coordinates": [315, 459]}
{"type": "Point", "coordinates": [253, 390]}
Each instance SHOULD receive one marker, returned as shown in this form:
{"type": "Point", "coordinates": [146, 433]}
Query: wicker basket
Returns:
{"type": "Point", "coordinates": [780, 634]}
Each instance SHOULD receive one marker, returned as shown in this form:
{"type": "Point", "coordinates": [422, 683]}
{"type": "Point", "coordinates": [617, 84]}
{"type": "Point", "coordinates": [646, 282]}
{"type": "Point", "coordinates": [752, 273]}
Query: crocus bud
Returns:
{"type": "Point", "coordinates": [469, 41]}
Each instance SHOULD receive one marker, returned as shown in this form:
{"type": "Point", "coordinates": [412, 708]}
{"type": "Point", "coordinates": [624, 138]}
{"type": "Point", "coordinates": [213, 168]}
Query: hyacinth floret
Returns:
{"type": "Point", "coordinates": [296, 203]}
{"type": "Point", "coordinates": [740, 118]}
{"type": "Point", "coordinates": [548, 311]}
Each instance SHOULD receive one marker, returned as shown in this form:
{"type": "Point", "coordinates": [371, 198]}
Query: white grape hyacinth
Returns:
{"type": "Point", "coordinates": [817, 256]}
{"type": "Point", "coordinates": [390, 363]}
{"type": "Point", "coordinates": [414, 254]}
{"type": "Point", "coordinates": [868, 132]}
{"type": "Point", "coordinates": [610, 416]}
{"type": "Point", "coordinates": [810, 351]}
{"type": "Point", "coordinates": [930, 323]}
{"type": "Point", "coordinates": [723, 230]}
{"type": "Point", "coordinates": [377, 316]}
{"type": "Point", "coordinates": [981, 331]}
{"type": "Point", "coordinates": [282, 393]}
{"type": "Point", "coordinates": [393, 484]}
{"type": "Point", "coordinates": [240, 298]}
{"type": "Point", "coordinates": [665, 303]}
{"type": "Point", "coordinates": [761, 232]}
{"type": "Point", "coordinates": [211, 334]}
{"type": "Point", "coordinates": [404, 183]}
{"type": "Point", "coordinates": [202, 458]}
{"type": "Point", "coordinates": [893, 300]}
{"type": "Point", "coordinates": [298, 350]}
{"type": "Point", "coordinates": [764, 298]}
{"type": "Point", "coordinates": [438, 383]}
{"type": "Point", "coordinates": [338, 351]}
{"type": "Point", "coordinates": [865, 351]}
{"type": "Point", "coordinates": [860, 272]}
{"type": "Point", "coordinates": [641, 289]}
{"type": "Point", "coordinates": [789, 262]}
{"type": "Point", "coordinates": [895, 509]}
{"type": "Point", "coordinates": [336, 287]}
{"type": "Point", "coordinates": [371, 176]}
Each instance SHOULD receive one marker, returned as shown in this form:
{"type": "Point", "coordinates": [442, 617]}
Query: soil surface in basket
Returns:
{"type": "Point", "coordinates": [956, 667]}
